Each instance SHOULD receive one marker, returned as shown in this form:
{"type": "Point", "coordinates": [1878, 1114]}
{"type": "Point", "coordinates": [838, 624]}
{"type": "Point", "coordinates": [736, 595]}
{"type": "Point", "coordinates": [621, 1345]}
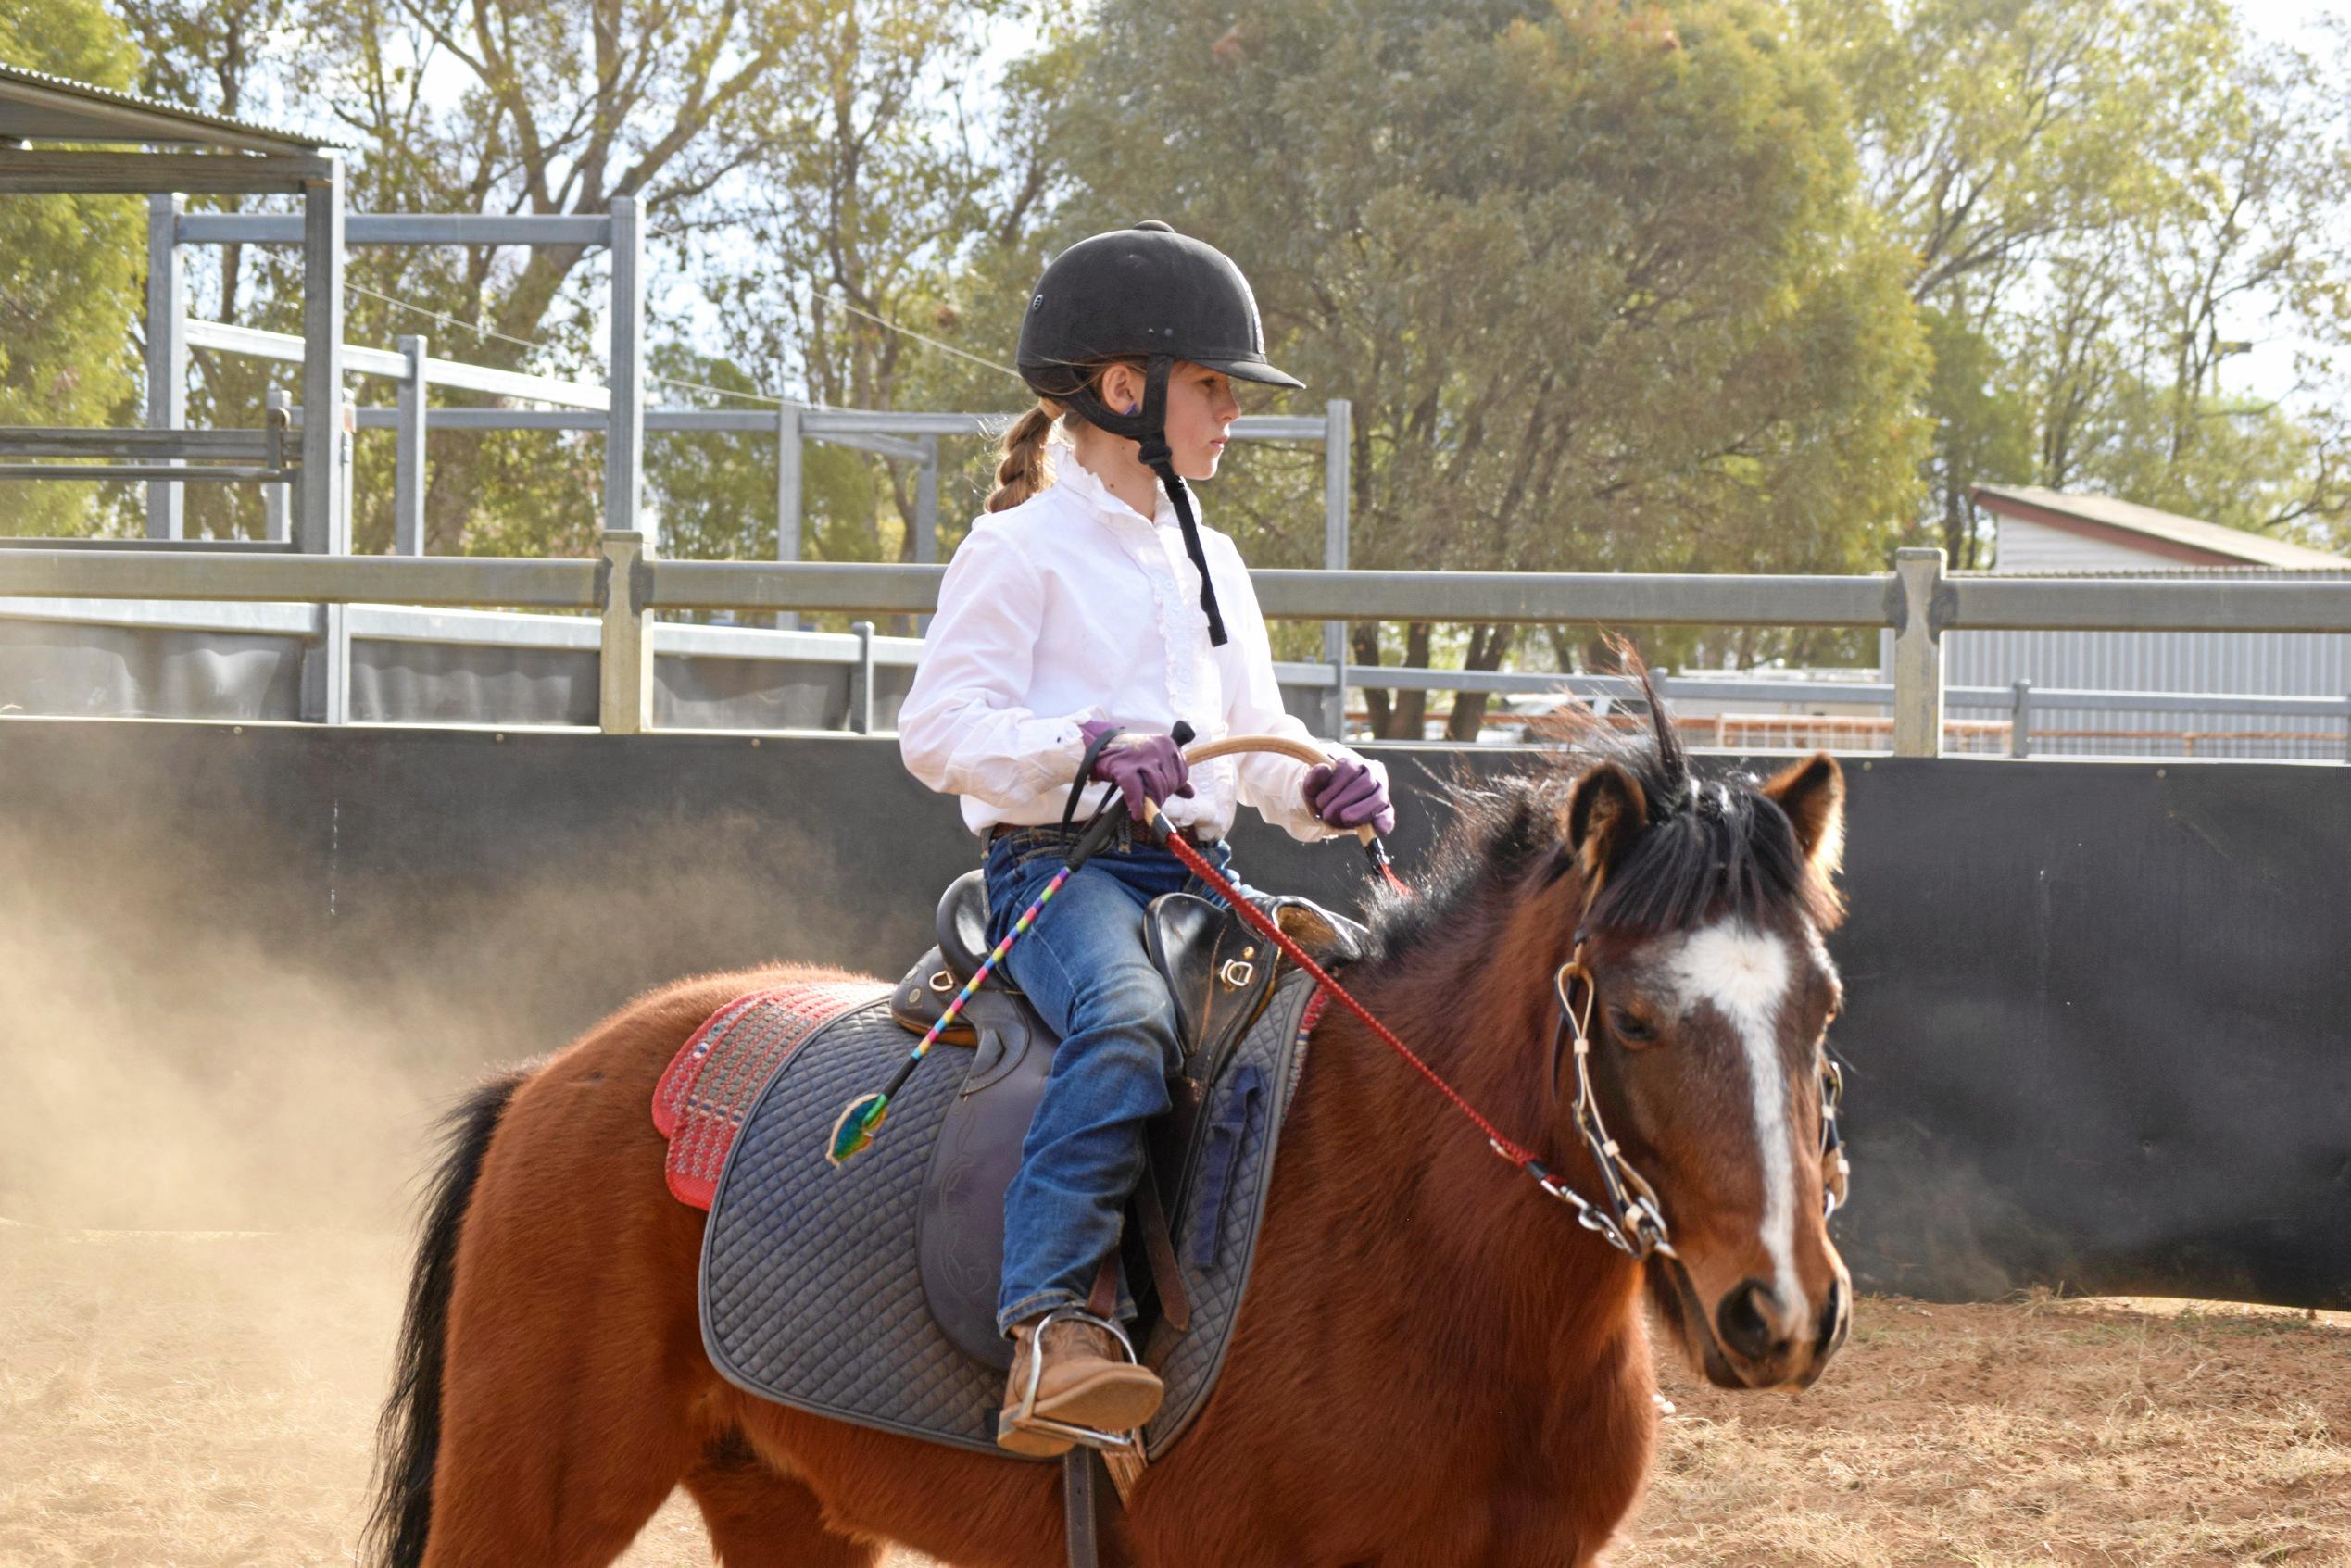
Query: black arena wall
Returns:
{"type": "Point", "coordinates": [2099, 1020]}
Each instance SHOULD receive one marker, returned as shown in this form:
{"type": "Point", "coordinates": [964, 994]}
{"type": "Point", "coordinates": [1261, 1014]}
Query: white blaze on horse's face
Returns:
{"type": "Point", "coordinates": [1719, 1030]}
{"type": "Point", "coordinates": [1743, 974]}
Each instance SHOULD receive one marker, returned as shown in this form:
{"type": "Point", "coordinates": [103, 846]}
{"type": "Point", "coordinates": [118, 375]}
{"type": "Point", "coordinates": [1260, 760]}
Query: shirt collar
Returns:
{"type": "Point", "coordinates": [1084, 485]}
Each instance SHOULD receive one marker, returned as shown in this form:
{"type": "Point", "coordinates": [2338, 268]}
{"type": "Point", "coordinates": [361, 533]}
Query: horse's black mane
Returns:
{"type": "Point", "coordinates": [1707, 850]}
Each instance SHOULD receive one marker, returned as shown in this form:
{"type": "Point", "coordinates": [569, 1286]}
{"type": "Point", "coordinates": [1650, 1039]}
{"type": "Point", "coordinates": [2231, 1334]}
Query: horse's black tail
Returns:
{"type": "Point", "coordinates": [408, 1436]}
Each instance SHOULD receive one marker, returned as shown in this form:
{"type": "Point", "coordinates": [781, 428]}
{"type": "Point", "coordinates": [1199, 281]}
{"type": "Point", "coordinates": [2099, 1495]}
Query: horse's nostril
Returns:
{"type": "Point", "coordinates": [1833, 1320]}
{"type": "Point", "coordinates": [1745, 1319]}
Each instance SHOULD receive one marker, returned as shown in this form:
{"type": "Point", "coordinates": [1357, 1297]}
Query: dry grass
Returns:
{"type": "Point", "coordinates": [2041, 1432]}
{"type": "Point", "coordinates": [207, 1401]}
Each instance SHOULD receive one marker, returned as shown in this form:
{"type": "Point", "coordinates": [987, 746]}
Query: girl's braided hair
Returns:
{"type": "Point", "coordinates": [1024, 469]}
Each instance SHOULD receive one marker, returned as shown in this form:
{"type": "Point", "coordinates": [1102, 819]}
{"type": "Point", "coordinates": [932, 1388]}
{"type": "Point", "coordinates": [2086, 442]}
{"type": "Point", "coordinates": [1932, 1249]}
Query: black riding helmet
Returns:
{"type": "Point", "coordinates": [1145, 293]}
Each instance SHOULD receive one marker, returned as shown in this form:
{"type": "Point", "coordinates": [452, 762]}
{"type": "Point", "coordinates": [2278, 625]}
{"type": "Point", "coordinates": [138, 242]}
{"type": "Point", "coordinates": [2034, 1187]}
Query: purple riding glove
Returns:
{"type": "Point", "coordinates": [1347, 794]}
{"type": "Point", "coordinates": [1144, 768]}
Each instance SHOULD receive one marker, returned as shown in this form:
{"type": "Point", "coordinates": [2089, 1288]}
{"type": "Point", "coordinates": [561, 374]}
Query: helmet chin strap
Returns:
{"type": "Point", "coordinates": [1148, 430]}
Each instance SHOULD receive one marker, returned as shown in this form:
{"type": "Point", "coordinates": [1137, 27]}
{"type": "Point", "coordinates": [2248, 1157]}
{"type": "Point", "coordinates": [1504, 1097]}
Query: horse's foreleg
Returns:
{"type": "Point", "coordinates": [761, 1518]}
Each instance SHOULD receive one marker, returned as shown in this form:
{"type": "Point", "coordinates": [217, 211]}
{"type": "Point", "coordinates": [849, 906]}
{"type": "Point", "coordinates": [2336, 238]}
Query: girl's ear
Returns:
{"type": "Point", "coordinates": [1122, 388]}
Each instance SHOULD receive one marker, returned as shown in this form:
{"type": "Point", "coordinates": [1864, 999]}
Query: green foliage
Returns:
{"type": "Point", "coordinates": [71, 272]}
{"type": "Point", "coordinates": [2106, 200]}
{"type": "Point", "coordinates": [1982, 422]}
{"type": "Point", "coordinates": [1712, 285]}
{"type": "Point", "coordinates": [1598, 278]}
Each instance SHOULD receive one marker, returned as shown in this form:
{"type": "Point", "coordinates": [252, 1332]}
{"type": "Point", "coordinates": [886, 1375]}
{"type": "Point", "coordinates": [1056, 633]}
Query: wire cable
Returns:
{"type": "Point", "coordinates": [919, 337]}
{"type": "Point", "coordinates": [446, 318]}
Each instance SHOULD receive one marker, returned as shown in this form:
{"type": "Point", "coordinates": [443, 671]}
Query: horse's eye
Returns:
{"type": "Point", "coordinates": [1627, 1028]}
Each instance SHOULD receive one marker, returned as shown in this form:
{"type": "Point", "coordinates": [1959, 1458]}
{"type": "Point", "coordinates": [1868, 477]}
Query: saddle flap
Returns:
{"type": "Point", "coordinates": [1218, 970]}
{"type": "Point", "coordinates": [958, 1226]}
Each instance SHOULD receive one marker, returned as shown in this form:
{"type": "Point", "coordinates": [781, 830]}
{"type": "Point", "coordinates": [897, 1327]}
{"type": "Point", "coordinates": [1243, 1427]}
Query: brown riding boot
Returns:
{"type": "Point", "coordinates": [1087, 1381]}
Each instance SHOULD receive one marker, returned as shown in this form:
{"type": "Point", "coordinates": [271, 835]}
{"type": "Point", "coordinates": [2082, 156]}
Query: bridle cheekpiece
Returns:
{"type": "Point", "coordinates": [1630, 1216]}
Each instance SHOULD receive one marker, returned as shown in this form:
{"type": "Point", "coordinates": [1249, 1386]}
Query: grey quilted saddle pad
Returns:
{"type": "Point", "coordinates": [811, 1294]}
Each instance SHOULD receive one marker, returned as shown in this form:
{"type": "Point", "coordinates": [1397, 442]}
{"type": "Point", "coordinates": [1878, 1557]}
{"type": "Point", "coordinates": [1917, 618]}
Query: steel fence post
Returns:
{"type": "Point", "coordinates": [2021, 719]}
{"type": "Point", "coordinates": [276, 509]}
{"type": "Point", "coordinates": [860, 704]}
{"type": "Point", "coordinates": [1913, 609]}
{"type": "Point", "coordinates": [624, 651]}
{"type": "Point", "coordinates": [1339, 423]}
{"type": "Point", "coordinates": [927, 514]}
{"type": "Point", "coordinates": [408, 462]}
{"type": "Point", "coordinates": [322, 527]}
{"type": "Point", "coordinates": [334, 620]}
{"type": "Point", "coordinates": [788, 452]}
{"type": "Point", "coordinates": [166, 356]}
{"type": "Point", "coordinates": [624, 429]}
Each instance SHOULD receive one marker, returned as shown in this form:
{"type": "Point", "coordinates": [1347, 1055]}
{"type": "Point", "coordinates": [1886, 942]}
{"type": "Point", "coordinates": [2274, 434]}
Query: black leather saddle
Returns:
{"type": "Point", "coordinates": [1221, 974]}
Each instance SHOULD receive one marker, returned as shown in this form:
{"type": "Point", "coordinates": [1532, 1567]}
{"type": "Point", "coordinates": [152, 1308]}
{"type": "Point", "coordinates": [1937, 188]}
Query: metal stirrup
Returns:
{"type": "Point", "coordinates": [1025, 1417]}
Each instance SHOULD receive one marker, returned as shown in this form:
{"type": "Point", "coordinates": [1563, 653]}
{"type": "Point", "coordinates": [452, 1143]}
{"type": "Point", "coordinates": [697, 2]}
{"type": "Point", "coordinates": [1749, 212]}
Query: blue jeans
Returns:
{"type": "Point", "coordinates": [1083, 968]}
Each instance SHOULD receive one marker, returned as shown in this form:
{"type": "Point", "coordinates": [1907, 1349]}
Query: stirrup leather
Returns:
{"type": "Point", "coordinates": [1026, 1417]}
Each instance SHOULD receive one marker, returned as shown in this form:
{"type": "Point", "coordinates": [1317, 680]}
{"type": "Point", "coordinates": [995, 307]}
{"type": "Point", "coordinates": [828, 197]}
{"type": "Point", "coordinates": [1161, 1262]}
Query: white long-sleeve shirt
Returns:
{"type": "Point", "coordinates": [1073, 606]}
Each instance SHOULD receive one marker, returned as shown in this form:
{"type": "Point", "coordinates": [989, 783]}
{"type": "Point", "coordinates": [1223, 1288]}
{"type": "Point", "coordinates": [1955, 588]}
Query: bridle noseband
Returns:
{"type": "Point", "coordinates": [1630, 1216]}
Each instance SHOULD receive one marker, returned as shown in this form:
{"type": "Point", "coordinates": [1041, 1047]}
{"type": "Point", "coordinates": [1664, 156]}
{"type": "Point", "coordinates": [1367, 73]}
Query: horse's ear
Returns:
{"type": "Point", "coordinates": [1606, 808]}
{"type": "Point", "coordinates": [1812, 793]}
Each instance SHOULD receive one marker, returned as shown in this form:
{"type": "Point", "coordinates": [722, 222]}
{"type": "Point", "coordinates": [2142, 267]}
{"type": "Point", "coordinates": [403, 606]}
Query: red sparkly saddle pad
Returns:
{"type": "Point", "coordinates": [711, 1083]}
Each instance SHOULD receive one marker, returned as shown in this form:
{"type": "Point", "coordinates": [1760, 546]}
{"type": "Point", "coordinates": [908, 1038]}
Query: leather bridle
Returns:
{"type": "Point", "coordinates": [1630, 1217]}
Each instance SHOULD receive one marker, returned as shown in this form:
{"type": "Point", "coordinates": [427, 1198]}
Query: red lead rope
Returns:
{"type": "Point", "coordinates": [1257, 919]}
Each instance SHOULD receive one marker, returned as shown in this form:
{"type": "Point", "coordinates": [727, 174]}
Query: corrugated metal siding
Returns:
{"type": "Point", "coordinates": [2276, 664]}
{"type": "Point", "coordinates": [2034, 549]}
{"type": "Point", "coordinates": [72, 669]}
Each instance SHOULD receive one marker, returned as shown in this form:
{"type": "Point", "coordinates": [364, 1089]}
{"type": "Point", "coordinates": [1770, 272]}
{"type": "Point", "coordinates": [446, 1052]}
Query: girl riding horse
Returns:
{"type": "Point", "coordinates": [1087, 615]}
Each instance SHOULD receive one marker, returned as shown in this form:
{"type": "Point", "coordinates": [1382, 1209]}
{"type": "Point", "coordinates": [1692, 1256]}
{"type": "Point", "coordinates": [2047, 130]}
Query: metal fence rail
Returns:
{"type": "Point", "coordinates": [626, 587]}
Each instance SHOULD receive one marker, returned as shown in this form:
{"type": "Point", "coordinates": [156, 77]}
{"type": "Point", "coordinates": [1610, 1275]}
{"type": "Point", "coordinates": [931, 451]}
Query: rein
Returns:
{"type": "Point", "coordinates": [1632, 1222]}
{"type": "Point", "coordinates": [1631, 1216]}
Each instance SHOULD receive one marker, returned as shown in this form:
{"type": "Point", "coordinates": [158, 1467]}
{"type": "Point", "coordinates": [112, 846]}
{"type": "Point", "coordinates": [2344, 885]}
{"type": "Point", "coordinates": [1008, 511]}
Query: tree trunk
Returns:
{"type": "Point", "coordinates": [1486, 645]}
{"type": "Point", "coordinates": [1366, 637]}
{"type": "Point", "coordinates": [1409, 717]}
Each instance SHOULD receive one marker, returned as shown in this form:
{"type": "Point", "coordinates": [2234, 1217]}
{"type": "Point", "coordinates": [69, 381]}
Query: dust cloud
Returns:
{"type": "Point", "coordinates": [174, 1055]}
{"type": "Point", "coordinates": [219, 1092]}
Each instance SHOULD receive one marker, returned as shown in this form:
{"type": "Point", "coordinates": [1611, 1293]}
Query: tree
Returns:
{"type": "Point", "coordinates": [71, 270]}
{"type": "Point", "coordinates": [794, 156]}
{"type": "Point", "coordinates": [896, 196]}
{"type": "Point", "coordinates": [1598, 277]}
{"type": "Point", "coordinates": [2104, 200]}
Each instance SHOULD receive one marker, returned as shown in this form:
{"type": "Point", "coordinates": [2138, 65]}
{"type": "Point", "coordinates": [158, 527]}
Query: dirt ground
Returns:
{"type": "Point", "coordinates": [207, 1400]}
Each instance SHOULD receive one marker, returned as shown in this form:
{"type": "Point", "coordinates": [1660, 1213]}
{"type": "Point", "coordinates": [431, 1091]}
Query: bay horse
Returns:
{"type": "Point", "coordinates": [1436, 1367]}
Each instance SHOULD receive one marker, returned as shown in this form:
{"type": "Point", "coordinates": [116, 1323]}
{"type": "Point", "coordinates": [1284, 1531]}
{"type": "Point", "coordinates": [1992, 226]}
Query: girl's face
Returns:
{"type": "Point", "coordinates": [1201, 411]}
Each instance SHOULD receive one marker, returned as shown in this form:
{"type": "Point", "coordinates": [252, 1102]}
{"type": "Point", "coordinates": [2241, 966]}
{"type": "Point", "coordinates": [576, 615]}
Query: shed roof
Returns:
{"type": "Point", "coordinates": [36, 106]}
{"type": "Point", "coordinates": [2187, 540]}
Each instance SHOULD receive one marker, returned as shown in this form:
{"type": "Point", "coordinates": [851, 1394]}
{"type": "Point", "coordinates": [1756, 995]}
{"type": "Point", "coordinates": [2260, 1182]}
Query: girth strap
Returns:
{"type": "Point", "coordinates": [1082, 1476]}
{"type": "Point", "coordinates": [1159, 1247]}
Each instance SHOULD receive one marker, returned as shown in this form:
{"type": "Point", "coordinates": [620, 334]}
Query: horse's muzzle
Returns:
{"type": "Point", "coordinates": [1753, 1339]}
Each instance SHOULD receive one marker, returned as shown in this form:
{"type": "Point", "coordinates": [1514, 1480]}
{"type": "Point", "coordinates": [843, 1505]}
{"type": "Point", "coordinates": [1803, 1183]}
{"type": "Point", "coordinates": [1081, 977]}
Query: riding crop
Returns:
{"type": "Point", "coordinates": [862, 1117]}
